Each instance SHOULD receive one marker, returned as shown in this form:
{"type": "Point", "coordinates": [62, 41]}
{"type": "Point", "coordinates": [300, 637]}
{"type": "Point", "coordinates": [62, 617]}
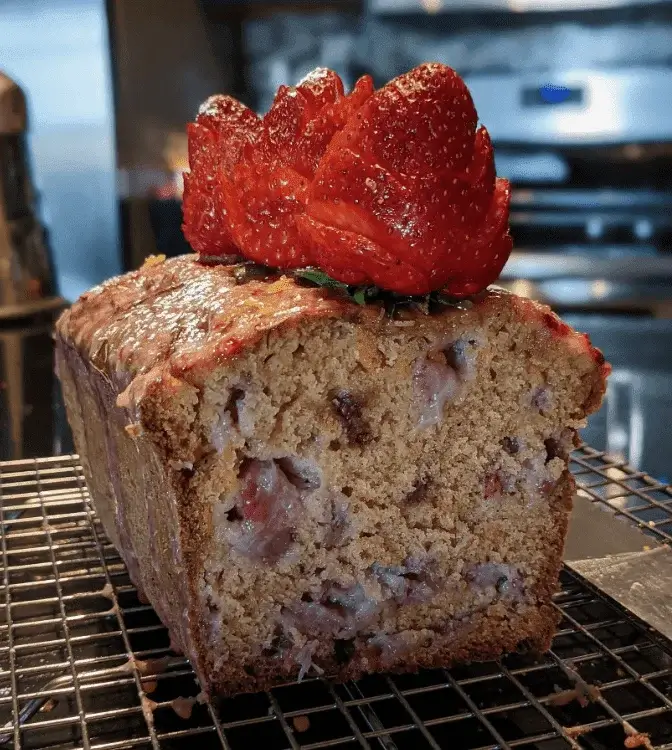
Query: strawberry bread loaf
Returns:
{"type": "Point", "coordinates": [337, 452]}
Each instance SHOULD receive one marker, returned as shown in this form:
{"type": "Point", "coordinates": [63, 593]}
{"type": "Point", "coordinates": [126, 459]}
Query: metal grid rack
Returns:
{"type": "Point", "coordinates": [632, 495]}
{"type": "Point", "coordinates": [84, 664]}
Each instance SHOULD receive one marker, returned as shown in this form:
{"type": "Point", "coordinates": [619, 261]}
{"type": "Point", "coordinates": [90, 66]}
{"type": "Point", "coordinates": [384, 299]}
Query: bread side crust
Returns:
{"type": "Point", "coordinates": [137, 497]}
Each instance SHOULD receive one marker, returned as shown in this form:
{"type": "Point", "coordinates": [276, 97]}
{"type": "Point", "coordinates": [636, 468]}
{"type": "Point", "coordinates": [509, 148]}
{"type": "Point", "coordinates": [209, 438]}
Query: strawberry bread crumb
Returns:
{"type": "Point", "coordinates": [299, 485]}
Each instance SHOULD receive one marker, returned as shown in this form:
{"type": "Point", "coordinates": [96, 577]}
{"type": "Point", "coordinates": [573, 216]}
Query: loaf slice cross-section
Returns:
{"type": "Point", "coordinates": [300, 484]}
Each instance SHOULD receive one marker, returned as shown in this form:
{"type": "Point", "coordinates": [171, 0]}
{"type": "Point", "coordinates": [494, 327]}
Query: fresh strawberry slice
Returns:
{"type": "Point", "coordinates": [233, 125]}
{"type": "Point", "coordinates": [421, 121]}
{"type": "Point", "coordinates": [481, 171]}
{"type": "Point", "coordinates": [302, 121]}
{"type": "Point", "coordinates": [205, 225]}
{"type": "Point", "coordinates": [203, 151]}
{"type": "Point", "coordinates": [270, 183]}
{"type": "Point", "coordinates": [317, 134]}
{"type": "Point", "coordinates": [352, 193]}
{"type": "Point", "coordinates": [282, 125]}
{"type": "Point", "coordinates": [467, 195]}
{"type": "Point", "coordinates": [355, 195]}
{"type": "Point", "coordinates": [220, 110]}
{"type": "Point", "coordinates": [419, 225]}
{"type": "Point", "coordinates": [262, 209]}
{"type": "Point", "coordinates": [320, 88]}
{"type": "Point", "coordinates": [459, 258]}
{"type": "Point", "coordinates": [487, 256]}
{"type": "Point", "coordinates": [361, 91]}
{"type": "Point", "coordinates": [354, 259]}
{"type": "Point", "coordinates": [395, 187]}
{"type": "Point", "coordinates": [293, 108]}
{"type": "Point", "coordinates": [215, 141]}
{"type": "Point", "coordinates": [427, 200]}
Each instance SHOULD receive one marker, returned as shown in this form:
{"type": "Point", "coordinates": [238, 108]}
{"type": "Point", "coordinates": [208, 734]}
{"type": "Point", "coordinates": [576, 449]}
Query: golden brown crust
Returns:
{"type": "Point", "coordinates": [135, 495]}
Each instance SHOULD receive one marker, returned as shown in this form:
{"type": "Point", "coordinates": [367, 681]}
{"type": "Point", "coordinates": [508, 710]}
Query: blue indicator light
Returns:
{"type": "Point", "coordinates": [552, 94]}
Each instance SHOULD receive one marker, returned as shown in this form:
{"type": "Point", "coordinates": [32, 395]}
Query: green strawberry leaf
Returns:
{"type": "Point", "coordinates": [319, 278]}
{"type": "Point", "coordinates": [391, 301]}
{"type": "Point", "coordinates": [359, 296]}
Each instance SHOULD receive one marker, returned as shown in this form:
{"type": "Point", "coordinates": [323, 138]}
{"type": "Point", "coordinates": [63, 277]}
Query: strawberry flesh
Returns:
{"type": "Point", "coordinates": [215, 140]}
{"type": "Point", "coordinates": [394, 188]}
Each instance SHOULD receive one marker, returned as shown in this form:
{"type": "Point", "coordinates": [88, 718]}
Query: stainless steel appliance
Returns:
{"type": "Point", "coordinates": [517, 6]}
{"type": "Point", "coordinates": [28, 298]}
{"type": "Point", "coordinates": [589, 152]}
{"type": "Point", "coordinates": [590, 155]}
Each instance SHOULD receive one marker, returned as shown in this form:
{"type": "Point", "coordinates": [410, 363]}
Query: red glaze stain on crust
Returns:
{"type": "Point", "coordinates": [187, 316]}
{"type": "Point", "coordinates": [555, 324]}
{"type": "Point", "coordinates": [558, 328]}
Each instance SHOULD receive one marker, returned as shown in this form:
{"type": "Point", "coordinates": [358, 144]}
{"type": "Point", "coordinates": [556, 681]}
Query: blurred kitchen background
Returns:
{"type": "Point", "coordinates": [576, 94]}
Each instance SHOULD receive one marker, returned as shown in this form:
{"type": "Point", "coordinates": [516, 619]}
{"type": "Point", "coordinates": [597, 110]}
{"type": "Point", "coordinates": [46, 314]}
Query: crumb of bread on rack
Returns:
{"type": "Point", "coordinates": [301, 723]}
{"type": "Point", "coordinates": [639, 739]}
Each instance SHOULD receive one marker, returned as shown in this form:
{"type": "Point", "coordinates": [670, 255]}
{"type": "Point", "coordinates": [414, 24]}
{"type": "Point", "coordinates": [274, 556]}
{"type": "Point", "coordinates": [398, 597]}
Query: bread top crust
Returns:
{"type": "Point", "coordinates": [182, 318]}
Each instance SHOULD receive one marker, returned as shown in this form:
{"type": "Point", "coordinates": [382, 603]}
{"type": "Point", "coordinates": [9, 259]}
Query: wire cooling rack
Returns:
{"type": "Point", "coordinates": [84, 664]}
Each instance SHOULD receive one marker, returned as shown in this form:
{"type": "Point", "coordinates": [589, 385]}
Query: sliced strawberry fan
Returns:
{"type": "Point", "coordinates": [393, 188]}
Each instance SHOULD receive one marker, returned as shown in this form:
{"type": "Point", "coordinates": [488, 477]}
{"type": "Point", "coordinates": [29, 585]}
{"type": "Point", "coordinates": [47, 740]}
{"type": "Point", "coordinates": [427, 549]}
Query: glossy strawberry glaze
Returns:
{"type": "Point", "coordinates": [560, 329]}
{"type": "Point", "coordinates": [178, 320]}
{"type": "Point", "coordinates": [557, 327]}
